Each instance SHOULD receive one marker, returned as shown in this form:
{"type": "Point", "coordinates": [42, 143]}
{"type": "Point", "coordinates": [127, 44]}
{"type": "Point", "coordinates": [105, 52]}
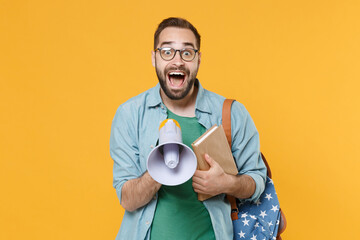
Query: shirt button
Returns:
{"type": "Point", "coordinates": [151, 146]}
{"type": "Point", "coordinates": [147, 222]}
{"type": "Point", "coordinates": [162, 107]}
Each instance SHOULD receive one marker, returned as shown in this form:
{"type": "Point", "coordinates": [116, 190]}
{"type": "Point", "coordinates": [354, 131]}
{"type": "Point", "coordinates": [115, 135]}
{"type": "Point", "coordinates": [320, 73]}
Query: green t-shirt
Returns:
{"type": "Point", "coordinates": [179, 214]}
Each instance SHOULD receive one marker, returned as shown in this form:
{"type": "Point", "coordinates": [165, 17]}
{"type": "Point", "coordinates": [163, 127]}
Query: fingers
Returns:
{"type": "Point", "coordinates": [209, 160]}
{"type": "Point", "coordinates": [199, 185]}
{"type": "Point", "coordinates": [200, 191]}
{"type": "Point", "coordinates": [198, 188]}
{"type": "Point", "coordinates": [207, 182]}
{"type": "Point", "coordinates": [203, 186]}
{"type": "Point", "coordinates": [199, 174]}
{"type": "Point", "coordinates": [198, 180]}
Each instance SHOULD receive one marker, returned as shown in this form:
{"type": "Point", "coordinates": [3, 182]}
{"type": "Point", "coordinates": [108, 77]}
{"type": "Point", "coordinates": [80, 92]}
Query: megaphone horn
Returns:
{"type": "Point", "coordinates": [171, 162]}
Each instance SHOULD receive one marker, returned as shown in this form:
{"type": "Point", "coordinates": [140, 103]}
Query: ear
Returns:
{"type": "Point", "coordinates": [199, 58]}
{"type": "Point", "coordinates": [153, 58]}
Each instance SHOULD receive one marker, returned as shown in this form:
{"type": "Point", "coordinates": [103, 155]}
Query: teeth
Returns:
{"type": "Point", "coordinates": [177, 73]}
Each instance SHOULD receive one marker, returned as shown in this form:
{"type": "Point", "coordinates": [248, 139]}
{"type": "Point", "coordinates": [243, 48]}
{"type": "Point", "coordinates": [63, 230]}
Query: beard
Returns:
{"type": "Point", "coordinates": [180, 94]}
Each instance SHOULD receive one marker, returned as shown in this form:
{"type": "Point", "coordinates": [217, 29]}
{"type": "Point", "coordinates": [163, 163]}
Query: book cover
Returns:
{"type": "Point", "coordinates": [214, 143]}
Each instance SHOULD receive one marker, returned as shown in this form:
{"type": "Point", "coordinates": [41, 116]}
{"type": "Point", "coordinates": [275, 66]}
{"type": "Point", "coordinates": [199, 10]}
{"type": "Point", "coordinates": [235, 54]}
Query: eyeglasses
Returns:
{"type": "Point", "coordinates": [186, 54]}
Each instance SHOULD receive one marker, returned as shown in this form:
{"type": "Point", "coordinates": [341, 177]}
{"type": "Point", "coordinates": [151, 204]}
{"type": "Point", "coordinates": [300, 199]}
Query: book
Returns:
{"type": "Point", "coordinates": [214, 143]}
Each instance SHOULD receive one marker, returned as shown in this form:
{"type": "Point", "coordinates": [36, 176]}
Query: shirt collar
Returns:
{"type": "Point", "coordinates": [154, 96]}
{"type": "Point", "coordinates": [201, 101]}
{"type": "Point", "coordinates": [201, 104]}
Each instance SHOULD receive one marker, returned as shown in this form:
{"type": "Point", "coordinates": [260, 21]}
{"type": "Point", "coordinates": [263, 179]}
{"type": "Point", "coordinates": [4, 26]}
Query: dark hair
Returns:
{"type": "Point", "coordinates": [175, 22]}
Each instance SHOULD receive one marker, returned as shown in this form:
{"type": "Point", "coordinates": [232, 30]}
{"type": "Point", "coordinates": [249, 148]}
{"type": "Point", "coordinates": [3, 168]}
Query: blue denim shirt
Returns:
{"type": "Point", "coordinates": [134, 133]}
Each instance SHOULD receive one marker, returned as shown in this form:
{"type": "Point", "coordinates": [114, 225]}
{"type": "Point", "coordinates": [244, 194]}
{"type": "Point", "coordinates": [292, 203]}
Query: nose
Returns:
{"type": "Point", "coordinates": [177, 60]}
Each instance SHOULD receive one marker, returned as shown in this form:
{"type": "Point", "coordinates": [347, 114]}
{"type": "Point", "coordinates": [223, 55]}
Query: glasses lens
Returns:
{"type": "Point", "coordinates": [167, 53]}
{"type": "Point", "coordinates": [188, 54]}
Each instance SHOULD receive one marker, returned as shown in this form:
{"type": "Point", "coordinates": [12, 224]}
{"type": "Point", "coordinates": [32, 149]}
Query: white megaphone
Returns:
{"type": "Point", "coordinates": [171, 162]}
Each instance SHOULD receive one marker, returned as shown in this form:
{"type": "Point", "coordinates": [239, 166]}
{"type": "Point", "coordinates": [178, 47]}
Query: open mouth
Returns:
{"type": "Point", "coordinates": [176, 79]}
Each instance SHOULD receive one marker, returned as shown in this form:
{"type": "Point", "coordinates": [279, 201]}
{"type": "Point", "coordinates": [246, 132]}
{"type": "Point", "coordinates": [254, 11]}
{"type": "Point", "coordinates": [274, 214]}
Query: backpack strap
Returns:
{"type": "Point", "coordinates": [226, 118]}
{"type": "Point", "coordinates": [226, 123]}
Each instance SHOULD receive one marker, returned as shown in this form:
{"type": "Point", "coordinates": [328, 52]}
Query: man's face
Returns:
{"type": "Point", "coordinates": [176, 76]}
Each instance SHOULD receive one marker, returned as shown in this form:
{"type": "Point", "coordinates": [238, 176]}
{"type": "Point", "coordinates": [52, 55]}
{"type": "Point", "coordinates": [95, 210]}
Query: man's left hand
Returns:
{"type": "Point", "coordinates": [212, 181]}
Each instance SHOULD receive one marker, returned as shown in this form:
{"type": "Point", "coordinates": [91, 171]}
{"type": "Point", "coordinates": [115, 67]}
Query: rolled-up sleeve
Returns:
{"type": "Point", "coordinates": [124, 149]}
{"type": "Point", "coordinates": [246, 148]}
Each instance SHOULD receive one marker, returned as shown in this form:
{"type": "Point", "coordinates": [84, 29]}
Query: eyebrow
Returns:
{"type": "Point", "coordinates": [185, 43]}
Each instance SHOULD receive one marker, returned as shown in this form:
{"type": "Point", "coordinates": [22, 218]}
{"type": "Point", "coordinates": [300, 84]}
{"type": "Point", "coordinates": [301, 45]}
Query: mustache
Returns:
{"type": "Point", "coordinates": [181, 68]}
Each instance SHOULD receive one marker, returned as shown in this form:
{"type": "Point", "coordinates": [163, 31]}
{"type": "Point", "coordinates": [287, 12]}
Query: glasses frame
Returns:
{"type": "Point", "coordinates": [176, 50]}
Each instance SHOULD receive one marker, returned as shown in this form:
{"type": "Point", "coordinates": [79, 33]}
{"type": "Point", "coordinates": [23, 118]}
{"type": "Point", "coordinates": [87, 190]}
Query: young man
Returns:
{"type": "Point", "coordinates": [161, 212]}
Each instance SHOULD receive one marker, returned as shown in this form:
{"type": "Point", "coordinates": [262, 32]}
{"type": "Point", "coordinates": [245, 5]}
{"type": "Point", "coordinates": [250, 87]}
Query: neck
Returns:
{"type": "Point", "coordinates": [184, 107]}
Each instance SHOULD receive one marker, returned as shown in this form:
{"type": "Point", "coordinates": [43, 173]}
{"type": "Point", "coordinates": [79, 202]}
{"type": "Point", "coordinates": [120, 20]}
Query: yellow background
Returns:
{"type": "Point", "coordinates": [65, 66]}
